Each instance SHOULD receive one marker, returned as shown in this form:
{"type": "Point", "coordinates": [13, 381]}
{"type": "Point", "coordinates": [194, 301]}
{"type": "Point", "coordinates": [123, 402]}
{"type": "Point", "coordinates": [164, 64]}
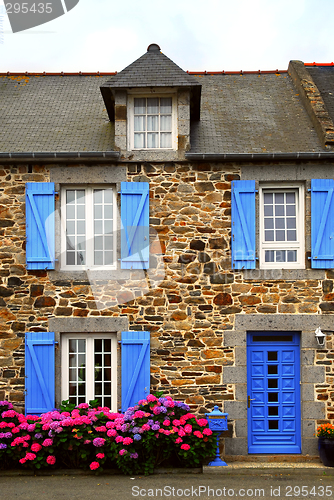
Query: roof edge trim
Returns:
{"type": "Point", "coordinates": [325, 155]}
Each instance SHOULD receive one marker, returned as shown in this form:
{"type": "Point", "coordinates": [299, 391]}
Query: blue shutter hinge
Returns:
{"type": "Point", "coordinates": [309, 190]}
{"type": "Point", "coordinates": [256, 190]}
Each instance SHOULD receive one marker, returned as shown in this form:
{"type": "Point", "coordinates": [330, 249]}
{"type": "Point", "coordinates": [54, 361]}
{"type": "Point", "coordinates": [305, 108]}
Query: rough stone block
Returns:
{"type": "Point", "coordinates": [236, 409]}
{"type": "Point", "coordinates": [234, 374]}
{"type": "Point", "coordinates": [236, 446]}
{"type": "Point", "coordinates": [313, 374]}
{"type": "Point", "coordinates": [307, 392]}
{"type": "Point", "coordinates": [241, 428]}
{"type": "Point", "coordinates": [314, 410]}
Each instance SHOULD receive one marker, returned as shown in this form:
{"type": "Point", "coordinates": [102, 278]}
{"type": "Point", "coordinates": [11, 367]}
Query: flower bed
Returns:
{"type": "Point", "coordinates": [154, 431]}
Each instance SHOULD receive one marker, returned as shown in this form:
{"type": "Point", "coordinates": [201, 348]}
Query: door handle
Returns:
{"type": "Point", "coordinates": [249, 400]}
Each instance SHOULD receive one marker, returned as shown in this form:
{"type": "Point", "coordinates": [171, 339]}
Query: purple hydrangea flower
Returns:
{"type": "Point", "coordinates": [3, 446]}
{"type": "Point", "coordinates": [38, 435]}
{"type": "Point", "coordinates": [134, 455]}
{"type": "Point", "coordinates": [163, 409]}
{"type": "Point", "coordinates": [135, 430]}
{"type": "Point", "coordinates": [98, 442]}
{"type": "Point", "coordinates": [155, 427]}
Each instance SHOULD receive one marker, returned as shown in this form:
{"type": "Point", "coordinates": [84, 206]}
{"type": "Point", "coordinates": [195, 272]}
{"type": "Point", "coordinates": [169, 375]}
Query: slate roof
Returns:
{"type": "Point", "coordinates": [247, 113]}
{"type": "Point", "coordinates": [252, 113]}
{"type": "Point", "coordinates": [153, 69]}
{"type": "Point", "coordinates": [53, 113]}
{"type": "Point", "coordinates": [323, 77]}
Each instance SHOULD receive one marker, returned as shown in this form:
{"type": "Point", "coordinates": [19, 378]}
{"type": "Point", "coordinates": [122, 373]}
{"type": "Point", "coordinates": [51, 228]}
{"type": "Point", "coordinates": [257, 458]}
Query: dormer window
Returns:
{"type": "Point", "coordinates": [152, 122]}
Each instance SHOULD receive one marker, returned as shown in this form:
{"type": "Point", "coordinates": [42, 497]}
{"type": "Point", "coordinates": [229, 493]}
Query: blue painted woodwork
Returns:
{"type": "Point", "coordinates": [40, 225]}
{"type": "Point", "coordinates": [322, 217]}
{"type": "Point", "coordinates": [217, 423]}
{"type": "Point", "coordinates": [243, 224]}
{"type": "Point", "coordinates": [39, 372]}
{"type": "Point", "coordinates": [135, 367]}
{"type": "Point", "coordinates": [273, 388]}
{"type": "Point", "coordinates": [135, 239]}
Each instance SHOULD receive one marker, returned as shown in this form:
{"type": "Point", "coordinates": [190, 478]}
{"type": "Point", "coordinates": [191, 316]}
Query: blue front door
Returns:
{"type": "Point", "coordinates": [273, 397]}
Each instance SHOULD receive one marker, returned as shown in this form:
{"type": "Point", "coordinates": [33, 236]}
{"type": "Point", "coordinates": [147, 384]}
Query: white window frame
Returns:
{"type": "Point", "coordinates": [298, 245]}
{"type": "Point", "coordinates": [89, 188]}
{"type": "Point", "coordinates": [90, 375]}
{"type": "Point", "coordinates": [161, 94]}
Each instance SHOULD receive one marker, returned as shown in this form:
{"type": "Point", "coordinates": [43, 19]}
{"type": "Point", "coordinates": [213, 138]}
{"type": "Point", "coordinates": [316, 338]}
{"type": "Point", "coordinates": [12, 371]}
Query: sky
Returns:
{"type": "Point", "coordinates": [206, 35]}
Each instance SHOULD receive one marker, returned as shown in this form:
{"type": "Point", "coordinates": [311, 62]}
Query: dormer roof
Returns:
{"type": "Point", "coordinates": [153, 69]}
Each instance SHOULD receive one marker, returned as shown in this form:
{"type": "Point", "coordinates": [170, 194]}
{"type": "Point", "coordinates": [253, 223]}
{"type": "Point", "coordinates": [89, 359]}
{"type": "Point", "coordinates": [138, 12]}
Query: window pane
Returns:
{"type": "Point", "coordinates": [166, 123]}
{"type": "Point", "coordinates": [291, 235]}
{"type": "Point", "coordinates": [70, 258]}
{"type": "Point", "coordinates": [280, 235]}
{"type": "Point", "coordinates": [268, 198]}
{"type": "Point", "coordinates": [269, 256]}
{"type": "Point", "coordinates": [153, 105]}
{"type": "Point", "coordinates": [108, 196]}
{"type": "Point", "coordinates": [152, 140]}
{"type": "Point", "coordinates": [81, 211]}
{"type": "Point", "coordinates": [279, 198]}
{"type": "Point", "coordinates": [268, 210]}
{"type": "Point", "coordinates": [291, 198]}
{"type": "Point", "coordinates": [269, 235]}
{"type": "Point", "coordinates": [139, 141]}
{"type": "Point", "coordinates": [290, 210]}
{"type": "Point", "coordinates": [70, 212]}
{"type": "Point", "coordinates": [97, 211]}
{"type": "Point", "coordinates": [98, 195]}
{"type": "Point", "coordinates": [98, 227]}
{"type": "Point", "coordinates": [108, 226]}
{"type": "Point", "coordinates": [153, 123]}
{"type": "Point", "coordinates": [166, 140]}
{"type": "Point", "coordinates": [81, 227]}
{"type": "Point", "coordinates": [70, 196]}
{"type": "Point", "coordinates": [280, 223]}
{"type": "Point", "coordinates": [139, 123]}
{"type": "Point", "coordinates": [279, 210]}
{"type": "Point", "coordinates": [268, 223]}
{"type": "Point", "coordinates": [166, 105]}
{"type": "Point", "coordinates": [98, 258]}
{"type": "Point", "coordinates": [292, 255]}
{"type": "Point", "coordinates": [280, 256]}
{"type": "Point", "coordinates": [140, 105]}
{"type": "Point", "coordinates": [98, 243]}
{"type": "Point", "coordinates": [291, 223]}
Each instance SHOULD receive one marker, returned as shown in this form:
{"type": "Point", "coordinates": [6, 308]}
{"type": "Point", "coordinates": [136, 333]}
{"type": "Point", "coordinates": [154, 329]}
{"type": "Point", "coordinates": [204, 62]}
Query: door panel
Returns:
{"type": "Point", "coordinates": [273, 381]}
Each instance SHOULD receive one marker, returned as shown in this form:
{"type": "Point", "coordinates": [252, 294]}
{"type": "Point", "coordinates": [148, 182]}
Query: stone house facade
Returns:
{"type": "Point", "coordinates": [162, 230]}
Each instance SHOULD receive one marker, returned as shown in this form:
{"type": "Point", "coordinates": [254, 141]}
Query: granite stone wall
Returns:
{"type": "Point", "coordinates": [189, 302]}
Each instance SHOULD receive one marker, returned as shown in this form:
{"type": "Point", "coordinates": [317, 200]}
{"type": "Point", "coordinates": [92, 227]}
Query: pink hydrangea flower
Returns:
{"type": "Point", "coordinates": [178, 440]}
{"type": "Point", "coordinates": [100, 455]}
{"type": "Point", "coordinates": [36, 447]}
{"type": "Point", "coordinates": [51, 459]}
{"type": "Point", "coordinates": [111, 432]}
{"type": "Point", "coordinates": [166, 422]}
{"type": "Point", "coordinates": [123, 452]}
{"type": "Point", "coordinates": [202, 422]}
{"type": "Point", "coordinates": [119, 439]}
{"type": "Point", "coordinates": [101, 428]}
{"type": "Point", "coordinates": [146, 427]}
{"type": "Point", "coordinates": [30, 456]}
{"type": "Point", "coordinates": [127, 441]}
{"type": "Point", "coordinates": [185, 447]}
{"type": "Point", "coordinates": [188, 428]}
{"type": "Point", "coordinates": [22, 460]}
{"type": "Point", "coordinates": [198, 434]}
{"type": "Point", "coordinates": [94, 465]}
{"type": "Point", "coordinates": [207, 432]}
{"type": "Point", "coordinates": [150, 398]}
{"type": "Point", "coordinates": [47, 442]}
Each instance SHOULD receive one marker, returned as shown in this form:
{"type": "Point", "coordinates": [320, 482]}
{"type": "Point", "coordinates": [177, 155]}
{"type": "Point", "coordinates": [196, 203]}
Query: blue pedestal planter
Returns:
{"type": "Point", "coordinates": [218, 424]}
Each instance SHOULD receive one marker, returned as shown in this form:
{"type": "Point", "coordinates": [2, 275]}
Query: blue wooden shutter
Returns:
{"type": "Point", "coordinates": [135, 367]}
{"type": "Point", "coordinates": [39, 372]}
{"type": "Point", "coordinates": [135, 225]}
{"type": "Point", "coordinates": [322, 217]}
{"type": "Point", "coordinates": [243, 224]}
{"type": "Point", "coordinates": [40, 225]}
